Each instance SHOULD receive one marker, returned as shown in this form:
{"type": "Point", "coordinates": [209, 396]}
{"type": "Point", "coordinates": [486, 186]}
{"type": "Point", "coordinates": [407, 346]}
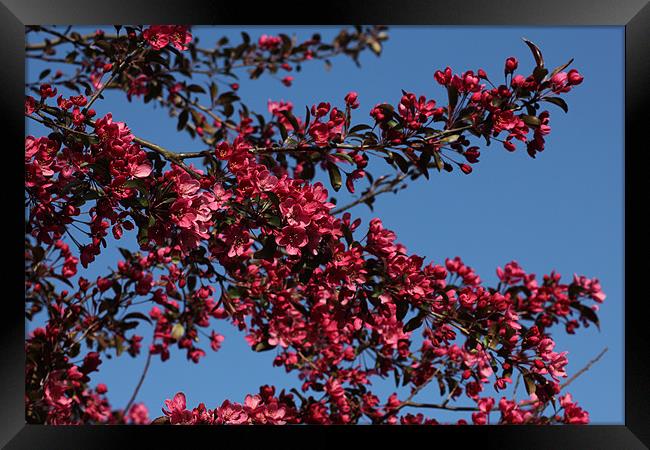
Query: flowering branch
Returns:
{"type": "Point", "coordinates": [250, 237]}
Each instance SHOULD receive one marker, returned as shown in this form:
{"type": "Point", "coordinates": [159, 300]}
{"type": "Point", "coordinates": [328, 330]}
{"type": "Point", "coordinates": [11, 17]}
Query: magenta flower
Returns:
{"type": "Point", "coordinates": [292, 238]}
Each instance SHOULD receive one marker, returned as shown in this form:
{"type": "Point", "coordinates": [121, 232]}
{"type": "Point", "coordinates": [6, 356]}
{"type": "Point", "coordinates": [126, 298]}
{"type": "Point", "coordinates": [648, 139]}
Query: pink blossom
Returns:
{"type": "Point", "coordinates": [292, 238]}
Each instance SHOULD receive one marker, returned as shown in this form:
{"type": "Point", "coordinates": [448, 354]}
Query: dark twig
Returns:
{"type": "Point", "coordinates": [115, 74]}
{"type": "Point", "coordinates": [167, 154]}
{"type": "Point", "coordinates": [442, 406]}
{"type": "Point", "coordinates": [137, 388]}
{"type": "Point", "coordinates": [584, 369]}
{"type": "Point", "coordinates": [373, 192]}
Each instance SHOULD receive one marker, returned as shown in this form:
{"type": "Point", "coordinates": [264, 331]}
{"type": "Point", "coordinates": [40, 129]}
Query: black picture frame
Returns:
{"type": "Point", "coordinates": [634, 15]}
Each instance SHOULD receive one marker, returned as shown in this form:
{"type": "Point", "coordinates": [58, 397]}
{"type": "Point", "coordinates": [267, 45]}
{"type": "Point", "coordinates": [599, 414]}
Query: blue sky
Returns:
{"type": "Point", "coordinates": [562, 211]}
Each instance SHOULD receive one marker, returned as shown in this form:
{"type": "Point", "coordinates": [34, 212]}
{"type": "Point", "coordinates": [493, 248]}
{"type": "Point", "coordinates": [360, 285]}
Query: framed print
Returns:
{"type": "Point", "coordinates": [416, 224]}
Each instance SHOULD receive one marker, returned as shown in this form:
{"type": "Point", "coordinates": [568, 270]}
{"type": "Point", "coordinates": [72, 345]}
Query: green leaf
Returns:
{"type": "Point", "coordinates": [345, 156]}
{"type": "Point", "coordinates": [143, 236]}
{"type": "Point", "coordinates": [539, 73]}
{"type": "Point", "coordinates": [449, 139]}
{"type": "Point", "coordinates": [274, 221]}
{"type": "Point", "coordinates": [172, 307]}
{"type": "Point", "coordinates": [423, 161]}
{"type": "Point", "coordinates": [587, 313]}
{"type": "Point", "coordinates": [119, 345]}
{"type": "Point", "coordinates": [531, 387]}
{"type": "Point", "coordinates": [227, 97]}
{"type": "Point", "coordinates": [182, 119]}
{"type": "Point", "coordinates": [292, 119]}
{"type": "Point", "coordinates": [307, 117]}
{"type": "Point", "coordinates": [228, 109]}
{"type": "Point", "coordinates": [268, 250]}
{"type": "Point", "coordinates": [255, 73]}
{"type": "Point", "coordinates": [191, 282]}
{"type": "Point", "coordinates": [401, 310]}
{"type": "Point", "coordinates": [452, 94]}
{"type": "Point", "coordinates": [335, 176]}
{"type": "Point", "coordinates": [37, 254]}
{"type": "Point", "coordinates": [531, 120]}
{"type": "Point", "coordinates": [558, 102]}
{"type": "Point", "coordinates": [273, 197]}
{"type": "Point", "coordinates": [393, 123]}
{"type": "Point", "coordinates": [401, 162]}
{"type": "Point", "coordinates": [438, 159]}
{"type": "Point", "coordinates": [129, 325]}
{"type": "Point", "coordinates": [213, 92]}
{"type": "Point", "coordinates": [196, 88]}
{"type": "Point", "coordinates": [286, 43]}
{"type": "Point", "coordinates": [358, 128]}
{"type": "Point", "coordinates": [537, 54]}
{"type": "Point", "coordinates": [62, 279]}
{"type": "Point", "coordinates": [414, 323]}
{"type": "Point", "coordinates": [138, 184]}
{"type": "Point", "coordinates": [163, 420]}
{"type": "Point", "coordinates": [387, 109]}
{"type": "Point", "coordinates": [407, 376]}
{"type": "Point", "coordinates": [348, 235]}
{"type": "Point", "coordinates": [560, 68]}
{"type": "Point", "coordinates": [283, 131]}
{"type": "Point", "coordinates": [263, 347]}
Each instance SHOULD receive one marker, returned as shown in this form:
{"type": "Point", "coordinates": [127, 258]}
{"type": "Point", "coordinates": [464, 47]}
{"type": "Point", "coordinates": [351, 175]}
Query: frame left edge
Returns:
{"type": "Point", "coordinates": [12, 354]}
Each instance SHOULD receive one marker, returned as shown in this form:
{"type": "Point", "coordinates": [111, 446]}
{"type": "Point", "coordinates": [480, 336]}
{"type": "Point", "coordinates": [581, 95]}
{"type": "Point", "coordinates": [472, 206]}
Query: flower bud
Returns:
{"type": "Point", "coordinates": [466, 168]}
{"type": "Point", "coordinates": [511, 64]}
{"type": "Point", "coordinates": [352, 100]}
{"type": "Point", "coordinates": [509, 146]}
{"type": "Point", "coordinates": [574, 77]}
{"type": "Point", "coordinates": [518, 81]}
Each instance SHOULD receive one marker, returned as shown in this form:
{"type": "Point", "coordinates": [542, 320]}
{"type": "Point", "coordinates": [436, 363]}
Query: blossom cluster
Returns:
{"type": "Point", "coordinates": [159, 36]}
{"type": "Point", "coordinates": [259, 409]}
{"type": "Point", "coordinates": [251, 239]}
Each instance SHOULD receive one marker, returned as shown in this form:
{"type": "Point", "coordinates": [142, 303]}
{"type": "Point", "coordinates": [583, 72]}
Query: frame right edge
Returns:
{"type": "Point", "coordinates": [637, 369]}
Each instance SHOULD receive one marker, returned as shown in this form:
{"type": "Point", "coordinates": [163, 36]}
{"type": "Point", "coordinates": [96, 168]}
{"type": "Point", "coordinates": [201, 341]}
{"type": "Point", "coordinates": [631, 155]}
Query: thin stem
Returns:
{"type": "Point", "coordinates": [165, 153]}
{"type": "Point", "coordinates": [584, 369]}
{"type": "Point", "coordinates": [115, 74]}
{"type": "Point", "coordinates": [137, 388]}
{"type": "Point", "coordinates": [443, 406]}
{"type": "Point", "coordinates": [372, 192]}
{"type": "Point", "coordinates": [61, 39]}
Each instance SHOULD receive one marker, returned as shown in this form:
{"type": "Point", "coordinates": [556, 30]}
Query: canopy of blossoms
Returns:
{"type": "Point", "coordinates": [240, 231]}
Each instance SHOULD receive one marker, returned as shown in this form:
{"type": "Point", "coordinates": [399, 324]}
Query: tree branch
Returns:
{"type": "Point", "coordinates": [137, 388]}
{"type": "Point", "coordinates": [115, 74]}
{"type": "Point", "coordinates": [167, 154]}
{"type": "Point", "coordinates": [441, 406]}
{"type": "Point", "coordinates": [584, 369]}
{"type": "Point", "coordinates": [373, 192]}
{"type": "Point", "coordinates": [62, 38]}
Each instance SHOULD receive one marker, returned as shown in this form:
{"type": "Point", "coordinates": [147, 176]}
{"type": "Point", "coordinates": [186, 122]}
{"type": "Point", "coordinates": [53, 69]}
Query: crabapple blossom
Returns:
{"type": "Point", "coordinates": [249, 236]}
